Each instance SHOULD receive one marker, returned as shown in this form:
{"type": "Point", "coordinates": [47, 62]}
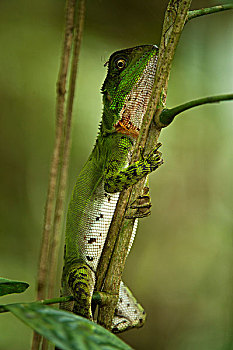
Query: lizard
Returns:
{"type": "Point", "coordinates": [126, 93]}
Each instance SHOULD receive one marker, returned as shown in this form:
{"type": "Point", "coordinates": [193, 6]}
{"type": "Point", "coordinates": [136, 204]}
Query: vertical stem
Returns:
{"type": "Point", "coordinates": [60, 199]}
{"type": "Point", "coordinates": [54, 168]}
{"type": "Point", "coordinates": [59, 209]}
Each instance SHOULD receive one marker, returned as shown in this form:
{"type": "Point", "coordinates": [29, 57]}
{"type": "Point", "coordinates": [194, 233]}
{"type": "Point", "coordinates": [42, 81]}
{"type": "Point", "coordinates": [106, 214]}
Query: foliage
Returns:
{"type": "Point", "coordinates": [8, 286]}
{"type": "Point", "coordinates": [65, 330]}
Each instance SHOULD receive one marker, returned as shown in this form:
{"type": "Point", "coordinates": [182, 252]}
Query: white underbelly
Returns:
{"type": "Point", "coordinates": [95, 225]}
{"type": "Point", "coordinates": [96, 221]}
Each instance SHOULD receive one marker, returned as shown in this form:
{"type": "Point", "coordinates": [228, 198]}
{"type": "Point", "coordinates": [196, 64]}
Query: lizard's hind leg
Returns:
{"type": "Point", "coordinates": [129, 313]}
{"type": "Point", "coordinates": [81, 280]}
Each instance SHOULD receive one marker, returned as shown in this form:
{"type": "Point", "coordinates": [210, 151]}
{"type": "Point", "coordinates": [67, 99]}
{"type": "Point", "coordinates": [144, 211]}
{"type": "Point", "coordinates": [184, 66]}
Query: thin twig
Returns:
{"type": "Point", "coordinates": [175, 18]}
{"type": "Point", "coordinates": [167, 115]}
{"type": "Point", "coordinates": [59, 209]}
{"type": "Point", "coordinates": [53, 177]}
{"type": "Point", "coordinates": [98, 298]}
{"type": "Point", "coordinates": [3, 308]}
{"type": "Point", "coordinates": [208, 11]}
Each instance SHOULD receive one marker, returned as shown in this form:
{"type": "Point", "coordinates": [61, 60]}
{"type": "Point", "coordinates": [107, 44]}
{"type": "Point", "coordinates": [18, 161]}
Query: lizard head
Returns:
{"type": "Point", "coordinates": [127, 88]}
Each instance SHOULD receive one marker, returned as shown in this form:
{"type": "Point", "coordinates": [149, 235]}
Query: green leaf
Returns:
{"type": "Point", "coordinates": [66, 330]}
{"type": "Point", "coordinates": [9, 286]}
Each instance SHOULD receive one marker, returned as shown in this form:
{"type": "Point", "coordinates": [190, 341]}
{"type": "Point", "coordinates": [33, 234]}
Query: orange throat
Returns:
{"type": "Point", "coordinates": [124, 126]}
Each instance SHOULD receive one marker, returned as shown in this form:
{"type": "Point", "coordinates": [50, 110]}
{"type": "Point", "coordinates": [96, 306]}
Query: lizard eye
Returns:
{"type": "Point", "coordinates": [120, 63]}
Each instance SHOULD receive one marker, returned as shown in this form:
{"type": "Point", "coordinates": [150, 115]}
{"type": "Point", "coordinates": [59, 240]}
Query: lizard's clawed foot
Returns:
{"type": "Point", "coordinates": [142, 205]}
{"type": "Point", "coordinates": [154, 159]}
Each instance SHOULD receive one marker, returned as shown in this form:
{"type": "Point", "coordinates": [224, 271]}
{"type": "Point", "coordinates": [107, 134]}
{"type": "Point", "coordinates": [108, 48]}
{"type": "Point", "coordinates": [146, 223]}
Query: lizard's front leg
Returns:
{"type": "Point", "coordinates": [118, 181]}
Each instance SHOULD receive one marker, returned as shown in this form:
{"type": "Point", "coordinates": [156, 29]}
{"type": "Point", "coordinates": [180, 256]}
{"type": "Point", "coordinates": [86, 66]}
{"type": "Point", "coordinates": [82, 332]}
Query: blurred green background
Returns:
{"type": "Point", "coordinates": [180, 265]}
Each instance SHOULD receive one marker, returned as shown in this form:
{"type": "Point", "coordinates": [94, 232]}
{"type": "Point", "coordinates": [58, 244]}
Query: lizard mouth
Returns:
{"type": "Point", "coordinates": [125, 126]}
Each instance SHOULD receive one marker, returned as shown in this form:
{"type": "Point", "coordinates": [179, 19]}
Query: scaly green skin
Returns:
{"type": "Point", "coordinates": [126, 93]}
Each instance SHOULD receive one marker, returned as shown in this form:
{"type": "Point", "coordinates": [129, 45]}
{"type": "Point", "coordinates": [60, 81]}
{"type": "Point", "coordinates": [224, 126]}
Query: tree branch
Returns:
{"type": "Point", "coordinates": [208, 11]}
{"type": "Point", "coordinates": [167, 115]}
{"type": "Point", "coordinates": [116, 245]}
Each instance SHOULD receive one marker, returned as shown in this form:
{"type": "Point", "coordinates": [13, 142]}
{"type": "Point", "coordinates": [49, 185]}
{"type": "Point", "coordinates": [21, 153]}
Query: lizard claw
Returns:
{"type": "Point", "coordinates": [154, 157]}
{"type": "Point", "coordinates": [159, 144]}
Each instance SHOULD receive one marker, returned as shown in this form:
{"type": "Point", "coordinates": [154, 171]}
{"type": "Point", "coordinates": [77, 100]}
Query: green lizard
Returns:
{"type": "Point", "coordinates": [126, 93]}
